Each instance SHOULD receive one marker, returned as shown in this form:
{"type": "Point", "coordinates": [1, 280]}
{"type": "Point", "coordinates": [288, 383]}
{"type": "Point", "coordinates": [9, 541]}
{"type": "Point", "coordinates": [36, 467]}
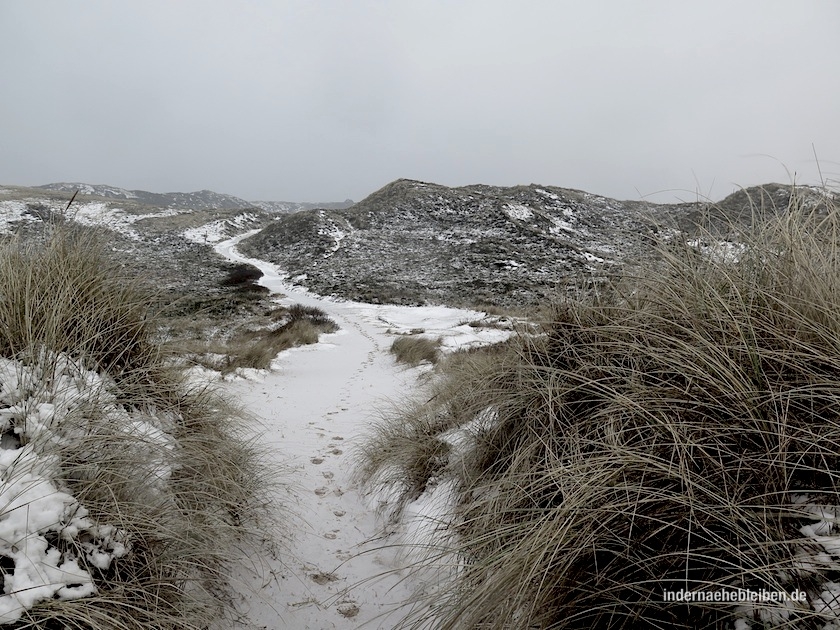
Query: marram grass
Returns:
{"type": "Point", "coordinates": [61, 295]}
{"type": "Point", "coordinates": [666, 432]}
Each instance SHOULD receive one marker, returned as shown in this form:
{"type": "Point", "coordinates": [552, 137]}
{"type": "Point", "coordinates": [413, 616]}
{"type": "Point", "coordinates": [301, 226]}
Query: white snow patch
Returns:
{"type": "Point", "coordinates": [333, 231]}
{"type": "Point", "coordinates": [449, 325]}
{"type": "Point", "coordinates": [11, 211]}
{"type": "Point", "coordinates": [560, 224]}
{"type": "Point", "coordinates": [201, 376]}
{"type": "Point", "coordinates": [545, 193]}
{"type": "Point", "coordinates": [721, 251]}
{"type": "Point", "coordinates": [220, 229]}
{"type": "Point", "coordinates": [424, 536]}
{"type": "Point", "coordinates": [103, 214]}
{"type": "Point", "coordinates": [34, 400]}
{"type": "Point", "coordinates": [518, 211]}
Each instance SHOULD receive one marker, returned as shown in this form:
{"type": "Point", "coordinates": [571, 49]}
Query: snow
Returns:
{"type": "Point", "coordinates": [105, 215]}
{"type": "Point", "coordinates": [545, 193]}
{"type": "Point", "coordinates": [11, 211]}
{"type": "Point", "coordinates": [449, 325]}
{"type": "Point", "coordinates": [348, 567]}
{"type": "Point", "coordinates": [34, 400]}
{"type": "Point", "coordinates": [721, 251]}
{"type": "Point", "coordinates": [334, 232]}
{"type": "Point", "coordinates": [220, 229]}
{"type": "Point", "coordinates": [345, 570]}
{"type": "Point", "coordinates": [93, 213]}
{"type": "Point", "coordinates": [560, 224]}
{"type": "Point", "coordinates": [518, 211]}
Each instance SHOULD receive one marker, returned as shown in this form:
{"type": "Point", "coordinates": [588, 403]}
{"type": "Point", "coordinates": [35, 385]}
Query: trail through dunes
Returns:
{"type": "Point", "coordinates": [341, 571]}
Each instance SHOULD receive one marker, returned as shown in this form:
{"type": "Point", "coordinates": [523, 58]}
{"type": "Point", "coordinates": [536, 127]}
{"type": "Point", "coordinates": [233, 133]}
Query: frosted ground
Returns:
{"type": "Point", "coordinates": [342, 569]}
{"type": "Point", "coordinates": [344, 566]}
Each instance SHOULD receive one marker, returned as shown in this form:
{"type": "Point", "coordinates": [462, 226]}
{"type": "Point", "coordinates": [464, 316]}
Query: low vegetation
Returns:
{"type": "Point", "coordinates": [124, 491]}
{"type": "Point", "coordinates": [414, 350]}
{"type": "Point", "coordinates": [675, 430]}
{"type": "Point", "coordinates": [252, 342]}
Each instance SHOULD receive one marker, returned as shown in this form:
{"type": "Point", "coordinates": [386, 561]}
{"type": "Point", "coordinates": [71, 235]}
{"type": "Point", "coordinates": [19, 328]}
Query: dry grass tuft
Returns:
{"type": "Point", "coordinates": [253, 343]}
{"type": "Point", "coordinates": [414, 350]}
{"type": "Point", "coordinates": [62, 293]}
{"type": "Point", "coordinates": [187, 503]}
{"type": "Point", "coordinates": [659, 436]}
{"type": "Point", "coordinates": [299, 325]}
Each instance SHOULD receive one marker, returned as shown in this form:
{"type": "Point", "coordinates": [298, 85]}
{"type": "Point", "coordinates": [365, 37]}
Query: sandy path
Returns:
{"type": "Point", "coordinates": [315, 406]}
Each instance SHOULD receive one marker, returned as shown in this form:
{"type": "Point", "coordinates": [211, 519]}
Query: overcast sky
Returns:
{"type": "Point", "coordinates": [332, 99]}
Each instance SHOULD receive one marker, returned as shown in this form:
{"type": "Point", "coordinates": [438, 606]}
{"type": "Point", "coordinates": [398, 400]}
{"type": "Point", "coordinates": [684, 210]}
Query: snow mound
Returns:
{"type": "Point", "coordinates": [44, 530]}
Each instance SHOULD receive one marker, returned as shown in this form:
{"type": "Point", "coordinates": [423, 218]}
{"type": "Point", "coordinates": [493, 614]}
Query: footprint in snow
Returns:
{"type": "Point", "coordinates": [348, 610]}
{"type": "Point", "coordinates": [322, 578]}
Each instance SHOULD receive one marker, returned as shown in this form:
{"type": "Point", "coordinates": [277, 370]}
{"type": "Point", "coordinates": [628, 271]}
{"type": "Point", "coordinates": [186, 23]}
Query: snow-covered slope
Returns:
{"type": "Point", "coordinates": [408, 243]}
{"type": "Point", "coordinates": [288, 207]}
{"type": "Point", "coordinates": [413, 242]}
{"type": "Point", "coordinates": [166, 238]}
{"type": "Point", "coordinates": [199, 200]}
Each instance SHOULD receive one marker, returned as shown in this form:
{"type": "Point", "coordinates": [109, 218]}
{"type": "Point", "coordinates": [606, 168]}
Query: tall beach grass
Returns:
{"type": "Point", "coordinates": [163, 463]}
{"type": "Point", "coordinates": [674, 430]}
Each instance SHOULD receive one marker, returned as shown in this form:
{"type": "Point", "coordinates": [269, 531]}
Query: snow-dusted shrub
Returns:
{"type": "Point", "coordinates": [678, 432]}
{"type": "Point", "coordinates": [256, 347]}
{"type": "Point", "coordinates": [414, 350]}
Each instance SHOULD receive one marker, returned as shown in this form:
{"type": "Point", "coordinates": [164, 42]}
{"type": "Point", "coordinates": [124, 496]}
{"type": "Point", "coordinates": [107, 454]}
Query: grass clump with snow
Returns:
{"type": "Point", "coordinates": [123, 493]}
{"type": "Point", "coordinates": [414, 350]}
{"type": "Point", "coordinates": [296, 325]}
{"type": "Point", "coordinates": [679, 430]}
{"type": "Point", "coordinates": [259, 340]}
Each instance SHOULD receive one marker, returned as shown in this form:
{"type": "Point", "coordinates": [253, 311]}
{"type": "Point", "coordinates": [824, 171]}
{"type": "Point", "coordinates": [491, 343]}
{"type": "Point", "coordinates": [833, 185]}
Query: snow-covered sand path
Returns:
{"type": "Point", "coordinates": [316, 405]}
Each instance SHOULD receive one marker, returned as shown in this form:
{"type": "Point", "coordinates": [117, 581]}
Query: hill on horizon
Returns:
{"type": "Point", "coordinates": [197, 200]}
{"type": "Point", "coordinates": [414, 242]}
{"type": "Point", "coordinates": [409, 242]}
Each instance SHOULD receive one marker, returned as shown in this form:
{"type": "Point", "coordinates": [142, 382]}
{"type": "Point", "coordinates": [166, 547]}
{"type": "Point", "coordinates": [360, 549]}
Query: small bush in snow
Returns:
{"type": "Point", "coordinates": [312, 314]}
{"type": "Point", "coordinates": [414, 350]}
{"type": "Point", "coordinates": [256, 344]}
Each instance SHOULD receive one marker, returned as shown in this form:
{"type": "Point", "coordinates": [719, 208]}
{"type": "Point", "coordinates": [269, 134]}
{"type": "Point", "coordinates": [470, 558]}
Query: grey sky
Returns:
{"type": "Point", "coordinates": [329, 99]}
